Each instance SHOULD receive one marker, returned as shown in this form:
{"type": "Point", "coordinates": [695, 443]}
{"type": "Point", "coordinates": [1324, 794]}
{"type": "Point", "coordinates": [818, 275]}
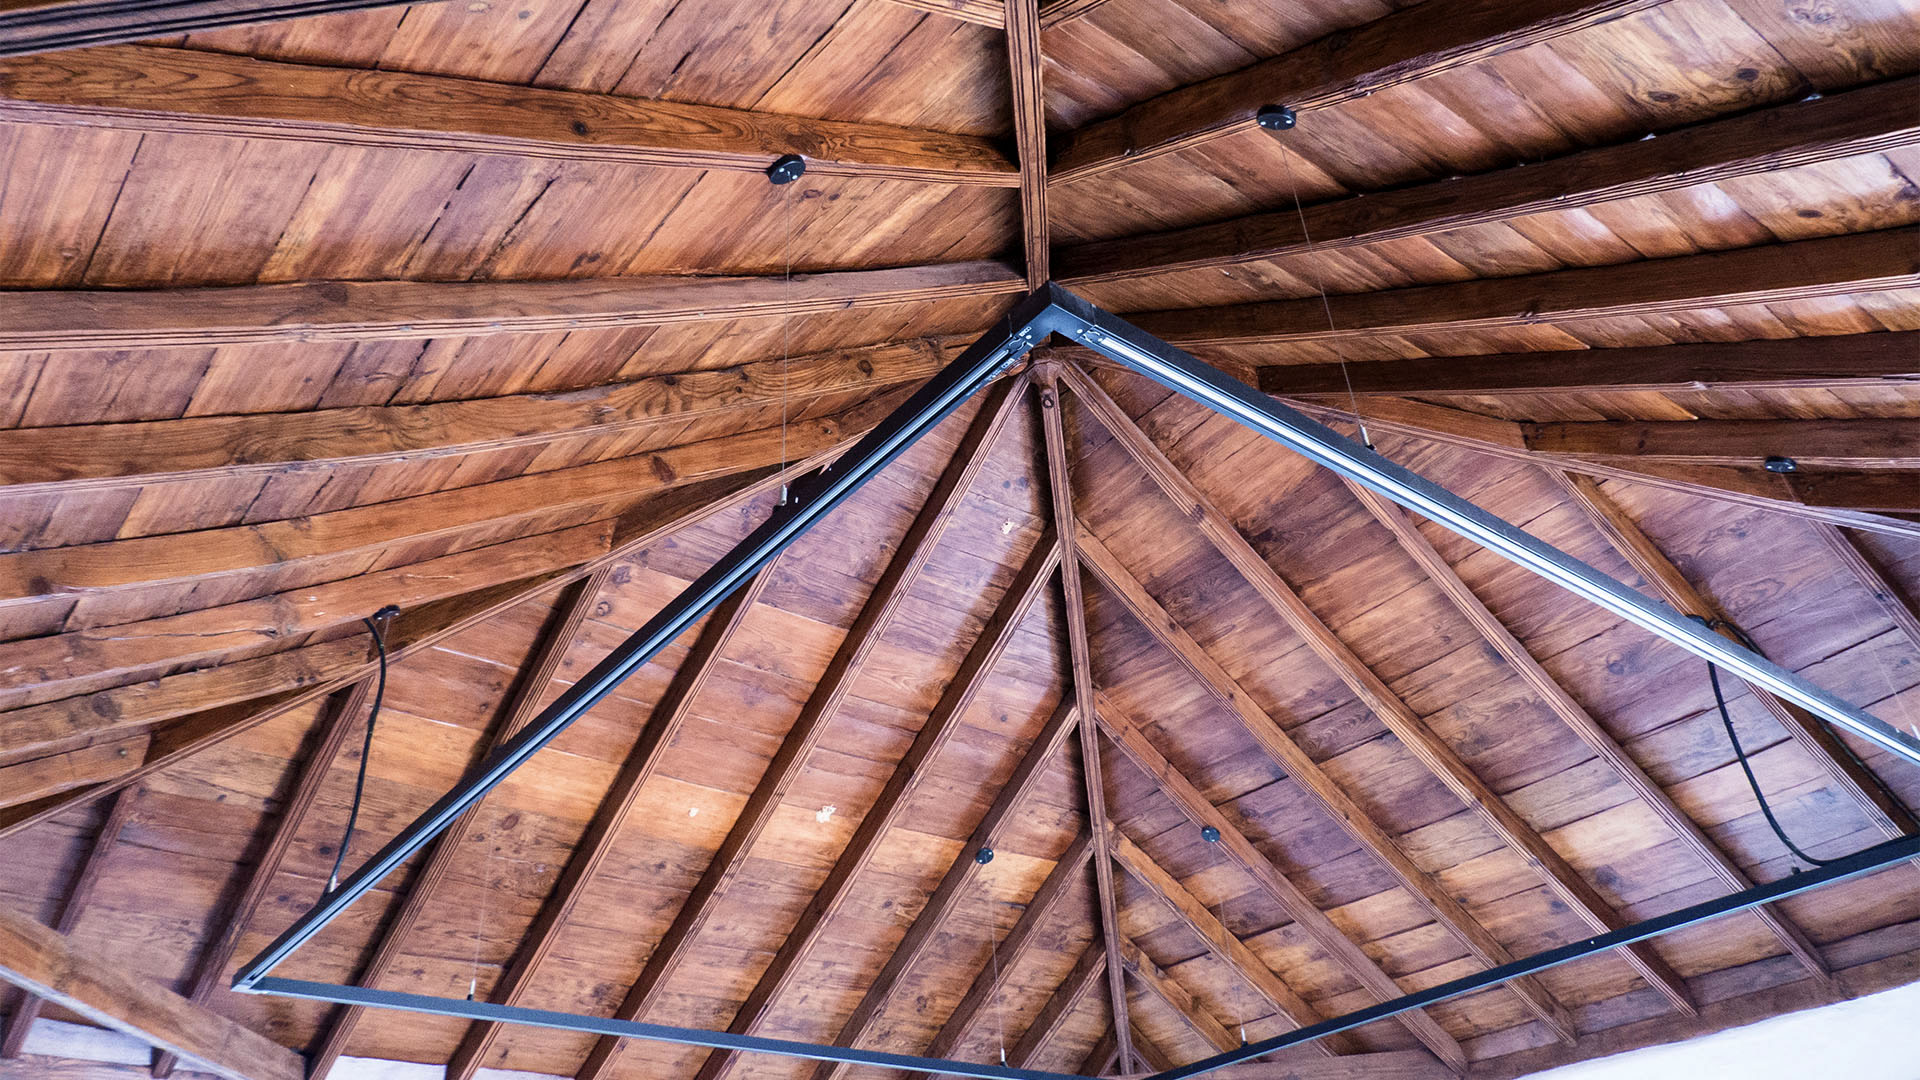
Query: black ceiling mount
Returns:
{"type": "Point", "coordinates": [1276, 117]}
{"type": "Point", "coordinates": [787, 169]}
{"type": "Point", "coordinates": [1779, 464]}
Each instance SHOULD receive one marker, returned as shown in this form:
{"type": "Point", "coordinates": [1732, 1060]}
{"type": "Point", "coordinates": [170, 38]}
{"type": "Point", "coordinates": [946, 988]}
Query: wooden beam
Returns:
{"type": "Point", "coordinates": [1380, 1065]}
{"type": "Point", "coordinates": [528, 697]}
{"type": "Point", "coordinates": [1163, 986]}
{"type": "Point", "coordinates": [44, 777]}
{"type": "Point", "coordinates": [79, 893]}
{"type": "Point", "coordinates": [1772, 273]}
{"type": "Point", "coordinates": [1219, 940]}
{"type": "Point", "coordinates": [876, 615]}
{"type": "Point", "coordinates": [212, 715]}
{"type": "Point", "coordinates": [1030, 134]}
{"type": "Point", "coordinates": [1299, 907]}
{"type": "Point", "coordinates": [93, 981]}
{"type": "Point", "coordinates": [1221, 532]}
{"type": "Point", "coordinates": [35, 26]}
{"type": "Point", "coordinates": [933, 736]}
{"type": "Point", "coordinates": [1878, 492]}
{"type": "Point", "coordinates": [1847, 775]}
{"type": "Point", "coordinates": [341, 716]}
{"type": "Point", "coordinates": [101, 568]}
{"type": "Point", "coordinates": [1867, 571]}
{"type": "Point", "coordinates": [1080, 663]}
{"type": "Point", "coordinates": [1410, 44]}
{"type": "Point", "coordinates": [663, 725]}
{"type": "Point", "coordinates": [1087, 974]}
{"type": "Point", "coordinates": [1011, 949]}
{"type": "Point", "coordinates": [1888, 442]}
{"type": "Point", "coordinates": [1846, 361]}
{"type": "Point", "coordinates": [177, 91]}
{"type": "Point", "coordinates": [1104, 1058]}
{"type": "Point", "coordinates": [1576, 717]}
{"type": "Point", "coordinates": [1865, 121]}
{"type": "Point", "coordinates": [82, 660]}
{"type": "Point", "coordinates": [55, 460]}
{"type": "Point", "coordinates": [979, 12]}
{"type": "Point", "coordinates": [953, 886]}
{"type": "Point", "coordinates": [369, 310]}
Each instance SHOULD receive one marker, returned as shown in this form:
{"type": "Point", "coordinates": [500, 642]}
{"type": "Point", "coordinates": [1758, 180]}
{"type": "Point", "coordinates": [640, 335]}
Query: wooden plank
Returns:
{"type": "Point", "coordinates": [876, 615]}
{"type": "Point", "coordinates": [1847, 775]}
{"type": "Point", "coordinates": [1312, 921]}
{"type": "Point", "coordinates": [1386, 1065]}
{"type": "Point", "coordinates": [34, 26]}
{"type": "Point", "coordinates": [1875, 492]}
{"type": "Point", "coordinates": [663, 724]}
{"type": "Point", "coordinates": [342, 715]}
{"type": "Point", "coordinates": [1080, 663]}
{"type": "Point", "coordinates": [369, 310]}
{"type": "Point", "coordinates": [1864, 121]}
{"type": "Point", "coordinates": [1806, 269]}
{"type": "Point", "coordinates": [226, 717]}
{"type": "Point", "coordinates": [1438, 902]}
{"type": "Point", "coordinates": [1030, 134]}
{"type": "Point", "coordinates": [83, 660]}
{"type": "Point", "coordinates": [528, 697]}
{"type": "Point", "coordinates": [92, 981]}
{"type": "Point", "coordinates": [1575, 716]}
{"type": "Point", "coordinates": [79, 893]}
{"type": "Point", "coordinates": [176, 91]}
{"type": "Point", "coordinates": [42, 777]}
{"type": "Point", "coordinates": [1880, 442]}
{"type": "Point", "coordinates": [52, 460]}
{"type": "Point", "coordinates": [101, 568]}
{"type": "Point", "coordinates": [1087, 973]}
{"type": "Point", "coordinates": [1847, 361]}
{"type": "Point", "coordinates": [979, 12]}
{"type": "Point", "coordinates": [953, 886]}
{"type": "Point", "coordinates": [1163, 986]}
{"type": "Point", "coordinates": [1411, 44]}
{"type": "Point", "coordinates": [1011, 949]}
{"type": "Point", "coordinates": [1220, 941]}
{"type": "Point", "coordinates": [1866, 570]}
{"type": "Point", "coordinates": [907, 776]}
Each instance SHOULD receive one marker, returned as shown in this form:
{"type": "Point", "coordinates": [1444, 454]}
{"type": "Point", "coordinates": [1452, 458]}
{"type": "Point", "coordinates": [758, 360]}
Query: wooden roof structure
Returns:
{"type": "Point", "coordinates": [487, 309]}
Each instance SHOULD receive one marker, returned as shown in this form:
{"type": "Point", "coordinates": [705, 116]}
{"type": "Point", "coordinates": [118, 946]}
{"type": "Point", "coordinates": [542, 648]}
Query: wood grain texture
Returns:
{"type": "Point", "coordinates": [1857, 263]}
{"type": "Point", "coordinates": [1157, 982]}
{"type": "Point", "coordinates": [36, 26]}
{"type": "Point", "coordinates": [364, 310]}
{"type": "Point", "coordinates": [146, 89]}
{"type": "Point", "coordinates": [1862, 121]}
{"type": "Point", "coordinates": [1847, 361]}
{"type": "Point", "coordinates": [1030, 135]}
{"type": "Point", "coordinates": [1411, 44]}
{"type": "Point", "coordinates": [1086, 978]}
{"type": "Point", "coordinates": [90, 980]}
{"type": "Point", "coordinates": [1836, 443]}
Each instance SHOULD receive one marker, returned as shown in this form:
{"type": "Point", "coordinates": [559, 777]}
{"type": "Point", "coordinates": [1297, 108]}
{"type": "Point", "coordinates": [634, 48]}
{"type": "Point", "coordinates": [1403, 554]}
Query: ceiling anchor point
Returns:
{"type": "Point", "coordinates": [787, 169]}
{"type": "Point", "coordinates": [1276, 117]}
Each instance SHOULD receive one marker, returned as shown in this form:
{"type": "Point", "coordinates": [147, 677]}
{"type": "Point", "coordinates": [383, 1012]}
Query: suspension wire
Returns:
{"type": "Point", "coordinates": [1320, 285]}
{"type": "Point", "coordinates": [366, 746]}
{"type": "Point", "coordinates": [786, 325]}
{"type": "Point", "coordinates": [1239, 1003]}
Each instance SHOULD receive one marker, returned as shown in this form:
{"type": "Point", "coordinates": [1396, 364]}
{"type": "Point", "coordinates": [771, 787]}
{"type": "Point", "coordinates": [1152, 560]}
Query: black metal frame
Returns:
{"type": "Point", "coordinates": [1051, 310]}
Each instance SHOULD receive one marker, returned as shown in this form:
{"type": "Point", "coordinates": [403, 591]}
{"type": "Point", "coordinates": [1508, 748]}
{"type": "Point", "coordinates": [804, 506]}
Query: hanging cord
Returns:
{"type": "Point", "coordinates": [786, 323]}
{"type": "Point", "coordinates": [366, 743]}
{"type": "Point", "coordinates": [1212, 836]}
{"type": "Point", "coordinates": [1319, 284]}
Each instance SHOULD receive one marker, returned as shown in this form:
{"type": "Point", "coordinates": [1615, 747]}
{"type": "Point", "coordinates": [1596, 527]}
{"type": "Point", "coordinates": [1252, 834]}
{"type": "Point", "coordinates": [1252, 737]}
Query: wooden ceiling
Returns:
{"type": "Point", "coordinates": [487, 309]}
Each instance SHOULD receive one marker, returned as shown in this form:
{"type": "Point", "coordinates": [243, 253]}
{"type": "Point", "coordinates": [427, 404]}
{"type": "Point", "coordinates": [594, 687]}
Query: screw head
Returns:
{"type": "Point", "coordinates": [1210, 834]}
{"type": "Point", "coordinates": [983, 856]}
{"type": "Point", "coordinates": [787, 169]}
{"type": "Point", "coordinates": [1778, 464]}
{"type": "Point", "coordinates": [1275, 117]}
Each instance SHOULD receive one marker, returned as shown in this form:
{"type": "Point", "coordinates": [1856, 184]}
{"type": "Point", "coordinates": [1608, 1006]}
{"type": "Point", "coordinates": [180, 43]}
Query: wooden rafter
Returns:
{"type": "Point", "coordinates": [1030, 134]}
{"type": "Point", "coordinates": [994, 13]}
{"type": "Point", "coordinates": [1229, 950]}
{"type": "Point", "coordinates": [338, 721]}
{"type": "Point", "coordinates": [1176, 997]}
{"type": "Point", "coordinates": [1881, 442]}
{"type": "Point", "coordinates": [79, 892]}
{"type": "Point", "coordinates": [1082, 982]}
{"type": "Point", "coordinates": [1011, 949]}
{"type": "Point", "coordinates": [1831, 266]}
{"type": "Point", "coordinates": [1408, 45]}
{"type": "Point", "coordinates": [663, 724]}
{"type": "Point", "coordinates": [1576, 717]}
{"type": "Point", "coordinates": [1439, 758]}
{"type": "Point", "coordinates": [933, 736]}
{"type": "Point", "coordinates": [1863, 121]}
{"type": "Point", "coordinates": [177, 91]}
{"type": "Point", "coordinates": [394, 939]}
{"type": "Point", "coordinates": [1847, 361]}
{"type": "Point", "coordinates": [953, 887]}
{"type": "Point", "coordinates": [1846, 773]}
{"type": "Point", "coordinates": [92, 981]}
{"type": "Point", "coordinates": [57, 460]}
{"type": "Point", "coordinates": [368, 310]}
{"type": "Point", "coordinates": [1080, 663]}
{"type": "Point", "coordinates": [1867, 571]}
{"type": "Point", "coordinates": [869, 626]}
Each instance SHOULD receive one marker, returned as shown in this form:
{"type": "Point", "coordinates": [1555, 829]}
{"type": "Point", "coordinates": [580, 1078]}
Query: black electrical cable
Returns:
{"type": "Point", "coordinates": [366, 743]}
{"type": "Point", "coordinates": [1740, 753]}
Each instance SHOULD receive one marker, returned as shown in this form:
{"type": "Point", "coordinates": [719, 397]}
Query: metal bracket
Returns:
{"type": "Point", "coordinates": [1049, 310]}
